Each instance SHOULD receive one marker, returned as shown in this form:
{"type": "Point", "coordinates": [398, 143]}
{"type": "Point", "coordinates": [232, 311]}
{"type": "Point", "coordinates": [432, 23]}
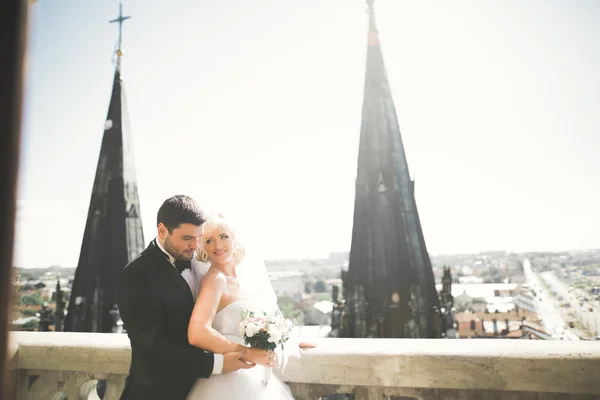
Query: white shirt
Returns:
{"type": "Point", "coordinates": [193, 284]}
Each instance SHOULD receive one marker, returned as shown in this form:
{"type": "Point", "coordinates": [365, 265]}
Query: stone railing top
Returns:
{"type": "Point", "coordinates": [495, 364]}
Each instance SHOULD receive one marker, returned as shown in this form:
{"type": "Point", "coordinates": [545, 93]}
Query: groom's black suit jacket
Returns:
{"type": "Point", "coordinates": [156, 304]}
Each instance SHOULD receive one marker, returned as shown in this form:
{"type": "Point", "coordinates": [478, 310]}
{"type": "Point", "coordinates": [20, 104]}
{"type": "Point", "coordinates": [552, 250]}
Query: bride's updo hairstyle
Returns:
{"type": "Point", "coordinates": [213, 223]}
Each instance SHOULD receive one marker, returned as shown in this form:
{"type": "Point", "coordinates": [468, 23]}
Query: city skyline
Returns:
{"type": "Point", "coordinates": [484, 92]}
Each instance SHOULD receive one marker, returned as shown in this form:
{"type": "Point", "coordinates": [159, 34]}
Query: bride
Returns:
{"type": "Point", "coordinates": [222, 292]}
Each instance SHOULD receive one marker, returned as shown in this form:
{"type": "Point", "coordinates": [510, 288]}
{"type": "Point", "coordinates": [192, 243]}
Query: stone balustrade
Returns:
{"type": "Point", "coordinates": [69, 366]}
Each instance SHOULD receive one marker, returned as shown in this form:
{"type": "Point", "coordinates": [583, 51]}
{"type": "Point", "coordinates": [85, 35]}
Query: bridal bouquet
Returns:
{"type": "Point", "coordinates": [265, 330]}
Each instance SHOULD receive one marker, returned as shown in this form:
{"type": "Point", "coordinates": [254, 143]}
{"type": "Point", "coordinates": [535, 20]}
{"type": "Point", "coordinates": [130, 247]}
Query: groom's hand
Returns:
{"type": "Point", "coordinates": [261, 357]}
{"type": "Point", "coordinates": [234, 361]}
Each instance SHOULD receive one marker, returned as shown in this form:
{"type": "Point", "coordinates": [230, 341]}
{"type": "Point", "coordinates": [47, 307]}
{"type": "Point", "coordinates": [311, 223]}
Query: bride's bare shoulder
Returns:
{"type": "Point", "coordinates": [214, 278]}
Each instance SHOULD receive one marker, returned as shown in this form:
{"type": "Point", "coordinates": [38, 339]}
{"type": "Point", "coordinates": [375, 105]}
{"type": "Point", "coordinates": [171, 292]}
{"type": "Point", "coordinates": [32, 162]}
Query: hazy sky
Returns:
{"type": "Point", "coordinates": [253, 108]}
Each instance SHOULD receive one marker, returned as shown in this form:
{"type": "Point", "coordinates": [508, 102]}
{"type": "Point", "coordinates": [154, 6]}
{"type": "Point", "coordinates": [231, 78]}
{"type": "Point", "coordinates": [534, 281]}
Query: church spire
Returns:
{"type": "Point", "coordinates": [389, 287]}
{"type": "Point", "coordinates": [113, 233]}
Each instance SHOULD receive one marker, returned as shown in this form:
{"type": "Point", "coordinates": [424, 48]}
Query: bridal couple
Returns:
{"type": "Point", "coordinates": [181, 301]}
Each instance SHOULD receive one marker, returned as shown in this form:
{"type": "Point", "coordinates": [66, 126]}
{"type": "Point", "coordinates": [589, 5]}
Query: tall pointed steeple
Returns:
{"type": "Point", "coordinates": [113, 231]}
{"type": "Point", "coordinates": [389, 287]}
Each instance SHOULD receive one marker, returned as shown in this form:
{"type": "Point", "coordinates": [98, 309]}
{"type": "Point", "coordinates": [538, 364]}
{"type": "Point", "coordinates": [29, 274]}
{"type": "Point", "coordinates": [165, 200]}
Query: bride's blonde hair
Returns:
{"type": "Point", "coordinates": [213, 223]}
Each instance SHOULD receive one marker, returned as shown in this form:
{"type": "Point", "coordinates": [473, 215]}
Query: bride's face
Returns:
{"type": "Point", "coordinates": [219, 245]}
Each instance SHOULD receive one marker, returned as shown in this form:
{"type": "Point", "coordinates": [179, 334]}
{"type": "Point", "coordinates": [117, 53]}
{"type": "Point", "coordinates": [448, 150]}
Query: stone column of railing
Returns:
{"type": "Point", "coordinates": [69, 365]}
{"type": "Point", "coordinates": [60, 366]}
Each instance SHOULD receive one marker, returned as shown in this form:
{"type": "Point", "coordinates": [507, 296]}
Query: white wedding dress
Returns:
{"type": "Point", "coordinates": [243, 384]}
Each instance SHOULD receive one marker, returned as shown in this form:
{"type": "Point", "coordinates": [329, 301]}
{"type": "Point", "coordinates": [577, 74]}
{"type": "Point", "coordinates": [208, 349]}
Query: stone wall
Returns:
{"type": "Point", "coordinates": [72, 364]}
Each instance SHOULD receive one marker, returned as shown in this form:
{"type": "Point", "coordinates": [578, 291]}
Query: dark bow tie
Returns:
{"type": "Point", "coordinates": [183, 265]}
{"type": "Point", "coordinates": [180, 265]}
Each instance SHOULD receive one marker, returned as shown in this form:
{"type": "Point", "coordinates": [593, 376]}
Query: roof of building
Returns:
{"type": "Point", "coordinates": [512, 315]}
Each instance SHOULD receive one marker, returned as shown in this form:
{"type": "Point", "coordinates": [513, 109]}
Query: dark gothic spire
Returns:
{"type": "Point", "coordinates": [113, 231]}
{"type": "Point", "coordinates": [59, 311]}
{"type": "Point", "coordinates": [390, 290]}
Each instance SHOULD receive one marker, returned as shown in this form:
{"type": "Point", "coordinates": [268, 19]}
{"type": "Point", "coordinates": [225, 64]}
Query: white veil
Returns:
{"type": "Point", "coordinates": [254, 280]}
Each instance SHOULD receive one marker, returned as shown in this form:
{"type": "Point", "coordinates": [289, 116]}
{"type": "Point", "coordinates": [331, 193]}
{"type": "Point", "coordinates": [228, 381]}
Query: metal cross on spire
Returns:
{"type": "Point", "coordinates": [120, 21]}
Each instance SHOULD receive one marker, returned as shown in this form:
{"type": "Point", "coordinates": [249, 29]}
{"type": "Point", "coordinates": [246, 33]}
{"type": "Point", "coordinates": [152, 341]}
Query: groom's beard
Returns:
{"type": "Point", "coordinates": [185, 255]}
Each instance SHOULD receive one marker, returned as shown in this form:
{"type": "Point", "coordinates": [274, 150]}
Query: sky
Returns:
{"type": "Point", "coordinates": [253, 109]}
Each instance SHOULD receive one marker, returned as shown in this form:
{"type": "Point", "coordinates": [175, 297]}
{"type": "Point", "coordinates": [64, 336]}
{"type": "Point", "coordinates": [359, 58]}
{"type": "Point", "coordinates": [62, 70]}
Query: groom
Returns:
{"type": "Point", "coordinates": [156, 304]}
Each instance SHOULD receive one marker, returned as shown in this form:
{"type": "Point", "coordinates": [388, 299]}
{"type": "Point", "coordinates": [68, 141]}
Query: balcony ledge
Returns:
{"type": "Point", "coordinates": [473, 365]}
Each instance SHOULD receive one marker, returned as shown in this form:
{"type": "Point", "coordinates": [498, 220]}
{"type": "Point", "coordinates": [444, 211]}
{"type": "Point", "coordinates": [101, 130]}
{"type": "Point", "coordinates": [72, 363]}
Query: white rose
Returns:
{"type": "Point", "coordinates": [242, 328]}
{"type": "Point", "coordinates": [274, 334]}
{"type": "Point", "coordinates": [252, 329]}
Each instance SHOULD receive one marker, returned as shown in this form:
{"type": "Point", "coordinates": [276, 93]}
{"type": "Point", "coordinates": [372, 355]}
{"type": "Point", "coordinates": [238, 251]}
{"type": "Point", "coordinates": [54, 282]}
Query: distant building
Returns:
{"type": "Point", "coordinates": [524, 302]}
{"type": "Point", "coordinates": [287, 283]}
{"type": "Point", "coordinates": [502, 325]}
{"type": "Point", "coordinates": [470, 279]}
{"type": "Point", "coordinates": [485, 290]}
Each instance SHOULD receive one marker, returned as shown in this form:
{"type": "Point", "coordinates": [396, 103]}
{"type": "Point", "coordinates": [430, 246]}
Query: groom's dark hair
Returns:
{"type": "Point", "coordinates": [180, 209]}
